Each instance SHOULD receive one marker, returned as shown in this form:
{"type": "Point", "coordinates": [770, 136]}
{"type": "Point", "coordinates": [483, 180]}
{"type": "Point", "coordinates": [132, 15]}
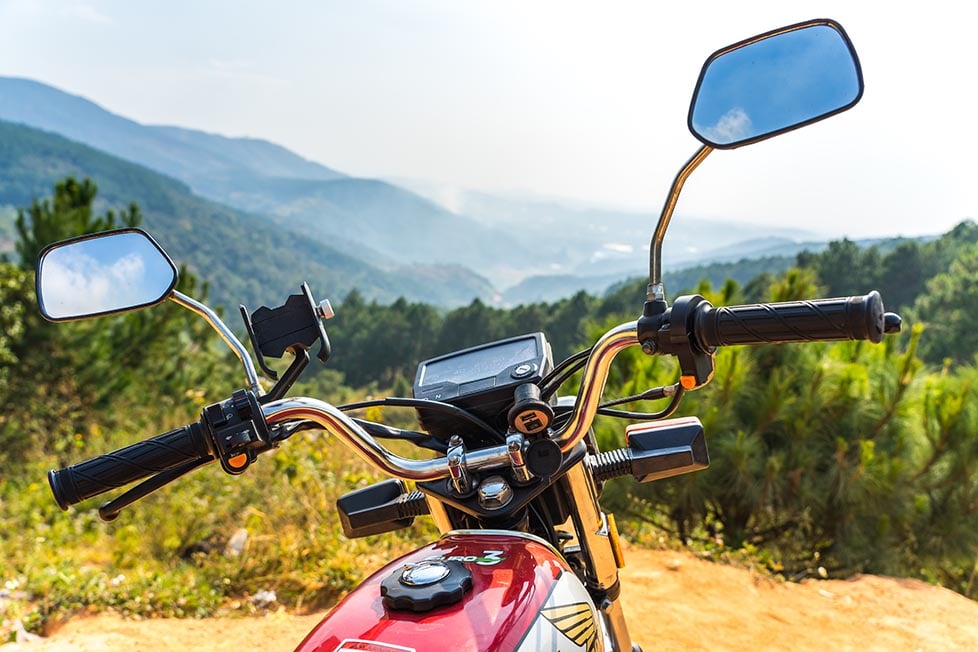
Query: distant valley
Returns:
{"type": "Point", "coordinates": [243, 209]}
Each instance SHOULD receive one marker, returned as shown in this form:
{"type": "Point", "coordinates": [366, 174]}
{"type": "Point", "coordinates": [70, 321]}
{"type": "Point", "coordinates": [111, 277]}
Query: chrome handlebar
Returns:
{"type": "Point", "coordinates": [340, 425]}
{"type": "Point", "coordinates": [593, 382]}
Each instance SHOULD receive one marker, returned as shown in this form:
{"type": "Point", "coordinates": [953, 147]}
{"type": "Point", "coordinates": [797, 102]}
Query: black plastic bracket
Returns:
{"type": "Point", "coordinates": [291, 375]}
{"type": "Point", "coordinates": [246, 318]}
{"type": "Point", "coordinates": [291, 328]}
{"type": "Point", "coordinates": [294, 325]}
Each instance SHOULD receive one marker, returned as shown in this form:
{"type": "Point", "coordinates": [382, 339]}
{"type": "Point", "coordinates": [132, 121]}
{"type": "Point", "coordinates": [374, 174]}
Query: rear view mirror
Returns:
{"type": "Point", "coordinates": [774, 83]}
{"type": "Point", "coordinates": [103, 274]}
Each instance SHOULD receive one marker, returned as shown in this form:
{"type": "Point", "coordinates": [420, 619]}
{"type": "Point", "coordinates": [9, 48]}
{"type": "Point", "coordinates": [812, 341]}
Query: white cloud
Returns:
{"type": "Point", "coordinates": [732, 126]}
{"type": "Point", "coordinates": [74, 283]}
{"type": "Point", "coordinates": [31, 10]}
{"type": "Point", "coordinates": [85, 12]}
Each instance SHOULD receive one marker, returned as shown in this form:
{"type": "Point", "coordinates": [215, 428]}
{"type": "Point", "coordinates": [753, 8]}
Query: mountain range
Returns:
{"type": "Point", "coordinates": [378, 221]}
{"type": "Point", "coordinates": [242, 256]}
{"type": "Point", "coordinates": [280, 215]}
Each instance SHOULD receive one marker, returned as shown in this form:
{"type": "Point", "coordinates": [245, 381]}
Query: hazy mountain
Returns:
{"type": "Point", "coordinates": [598, 243]}
{"type": "Point", "coordinates": [547, 288]}
{"type": "Point", "coordinates": [185, 154]}
{"type": "Point", "coordinates": [684, 280]}
{"type": "Point", "coordinates": [244, 257]}
{"type": "Point", "coordinates": [373, 215]}
{"type": "Point", "coordinates": [362, 215]}
{"type": "Point", "coordinates": [539, 249]}
{"type": "Point", "coordinates": [741, 262]}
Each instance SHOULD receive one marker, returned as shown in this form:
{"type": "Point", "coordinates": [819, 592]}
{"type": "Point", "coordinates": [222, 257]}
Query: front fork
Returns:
{"type": "Point", "coordinates": [598, 539]}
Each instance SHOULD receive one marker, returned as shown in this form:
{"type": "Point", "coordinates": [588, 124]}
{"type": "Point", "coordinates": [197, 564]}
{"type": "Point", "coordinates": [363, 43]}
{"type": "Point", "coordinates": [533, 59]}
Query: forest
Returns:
{"type": "Point", "coordinates": [827, 459]}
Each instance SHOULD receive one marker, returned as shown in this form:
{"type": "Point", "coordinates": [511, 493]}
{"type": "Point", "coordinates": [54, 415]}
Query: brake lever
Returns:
{"type": "Point", "coordinates": [110, 510]}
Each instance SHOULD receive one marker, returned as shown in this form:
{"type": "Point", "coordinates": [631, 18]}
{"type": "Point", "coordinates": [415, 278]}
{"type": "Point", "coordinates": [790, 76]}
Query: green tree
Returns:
{"type": "Point", "coordinates": [69, 213]}
{"type": "Point", "coordinates": [468, 326]}
{"type": "Point", "coordinates": [76, 371]}
{"type": "Point", "coordinates": [374, 343]}
{"type": "Point", "coordinates": [40, 398]}
{"type": "Point", "coordinates": [948, 307]}
{"type": "Point", "coordinates": [843, 269]}
{"type": "Point", "coordinates": [902, 276]}
{"type": "Point", "coordinates": [566, 325]}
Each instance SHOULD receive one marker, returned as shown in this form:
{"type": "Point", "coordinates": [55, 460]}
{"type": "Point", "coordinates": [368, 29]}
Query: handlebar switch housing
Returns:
{"type": "Point", "coordinates": [670, 331]}
{"type": "Point", "coordinates": [237, 430]}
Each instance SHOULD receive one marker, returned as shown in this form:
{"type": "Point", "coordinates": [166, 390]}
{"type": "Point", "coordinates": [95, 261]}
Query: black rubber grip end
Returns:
{"type": "Point", "coordinates": [61, 494]}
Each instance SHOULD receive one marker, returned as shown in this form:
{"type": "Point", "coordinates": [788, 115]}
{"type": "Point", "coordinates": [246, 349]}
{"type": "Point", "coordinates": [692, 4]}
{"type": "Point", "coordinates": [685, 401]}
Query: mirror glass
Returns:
{"type": "Point", "coordinates": [103, 274]}
{"type": "Point", "coordinates": [770, 85]}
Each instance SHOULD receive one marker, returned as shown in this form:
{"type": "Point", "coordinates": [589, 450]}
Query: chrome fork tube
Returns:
{"type": "Point", "coordinates": [439, 514]}
{"type": "Point", "coordinates": [594, 536]}
{"type": "Point", "coordinates": [617, 628]}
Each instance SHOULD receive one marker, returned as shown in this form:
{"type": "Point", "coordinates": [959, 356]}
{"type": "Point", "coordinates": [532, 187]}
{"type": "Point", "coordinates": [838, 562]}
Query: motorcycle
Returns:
{"type": "Point", "coordinates": [527, 559]}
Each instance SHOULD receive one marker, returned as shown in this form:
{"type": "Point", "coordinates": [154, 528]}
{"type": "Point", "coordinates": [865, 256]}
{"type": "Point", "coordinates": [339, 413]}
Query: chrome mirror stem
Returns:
{"type": "Point", "coordinates": [657, 291]}
{"type": "Point", "coordinates": [226, 334]}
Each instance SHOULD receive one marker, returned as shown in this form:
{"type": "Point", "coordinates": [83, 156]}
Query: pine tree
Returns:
{"type": "Point", "coordinates": [69, 213]}
{"type": "Point", "coordinates": [77, 370]}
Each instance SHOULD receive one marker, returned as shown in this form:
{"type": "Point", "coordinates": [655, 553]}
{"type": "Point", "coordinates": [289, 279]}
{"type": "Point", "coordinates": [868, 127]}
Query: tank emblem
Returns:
{"type": "Point", "coordinates": [488, 558]}
{"type": "Point", "coordinates": [576, 622]}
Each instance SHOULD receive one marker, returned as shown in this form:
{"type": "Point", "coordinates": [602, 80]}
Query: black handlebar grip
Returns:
{"type": "Point", "coordinates": [846, 318]}
{"type": "Point", "coordinates": [78, 482]}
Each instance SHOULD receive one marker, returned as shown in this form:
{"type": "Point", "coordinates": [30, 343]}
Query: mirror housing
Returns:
{"type": "Point", "coordinates": [775, 82]}
{"type": "Point", "coordinates": [102, 274]}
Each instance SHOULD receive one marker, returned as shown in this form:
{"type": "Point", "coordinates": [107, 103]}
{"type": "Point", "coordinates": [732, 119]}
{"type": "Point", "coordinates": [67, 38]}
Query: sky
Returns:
{"type": "Point", "coordinates": [580, 101]}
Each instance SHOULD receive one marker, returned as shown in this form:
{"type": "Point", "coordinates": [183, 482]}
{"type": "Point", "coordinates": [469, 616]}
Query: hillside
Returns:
{"type": "Point", "coordinates": [373, 215]}
{"type": "Point", "coordinates": [181, 153]}
{"type": "Point", "coordinates": [263, 178]}
{"type": "Point", "coordinates": [243, 257]}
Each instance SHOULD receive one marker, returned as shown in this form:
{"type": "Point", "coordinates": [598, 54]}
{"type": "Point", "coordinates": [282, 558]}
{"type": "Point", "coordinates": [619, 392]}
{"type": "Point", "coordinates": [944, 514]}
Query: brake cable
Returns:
{"type": "Point", "coordinates": [562, 372]}
{"type": "Point", "coordinates": [435, 406]}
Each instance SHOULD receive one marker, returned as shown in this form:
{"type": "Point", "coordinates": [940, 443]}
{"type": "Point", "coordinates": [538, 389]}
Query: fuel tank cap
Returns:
{"type": "Point", "coordinates": [425, 573]}
{"type": "Point", "coordinates": [426, 585]}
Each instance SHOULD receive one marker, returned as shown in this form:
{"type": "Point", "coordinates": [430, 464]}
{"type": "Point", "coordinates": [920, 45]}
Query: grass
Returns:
{"type": "Point", "coordinates": [165, 556]}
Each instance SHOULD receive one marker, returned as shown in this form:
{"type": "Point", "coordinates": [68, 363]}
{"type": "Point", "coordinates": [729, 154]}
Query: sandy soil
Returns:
{"type": "Point", "coordinates": [673, 601]}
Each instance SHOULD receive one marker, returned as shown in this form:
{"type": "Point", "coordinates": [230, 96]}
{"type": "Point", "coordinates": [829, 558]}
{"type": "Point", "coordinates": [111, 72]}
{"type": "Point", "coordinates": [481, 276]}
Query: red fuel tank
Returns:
{"type": "Point", "coordinates": [523, 596]}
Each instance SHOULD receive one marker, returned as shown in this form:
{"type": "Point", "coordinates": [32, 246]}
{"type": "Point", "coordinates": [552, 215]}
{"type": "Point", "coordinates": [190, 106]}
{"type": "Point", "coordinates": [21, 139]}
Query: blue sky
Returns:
{"type": "Point", "coordinates": [583, 101]}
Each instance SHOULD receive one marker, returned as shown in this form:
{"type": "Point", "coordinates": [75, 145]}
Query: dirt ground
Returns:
{"type": "Point", "coordinates": [673, 601]}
